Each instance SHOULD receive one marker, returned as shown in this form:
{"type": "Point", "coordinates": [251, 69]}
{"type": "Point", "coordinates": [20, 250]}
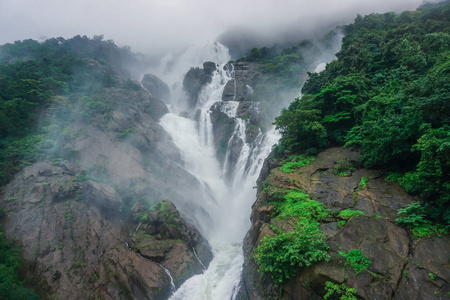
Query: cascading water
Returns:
{"type": "Point", "coordinates": [227, 197]}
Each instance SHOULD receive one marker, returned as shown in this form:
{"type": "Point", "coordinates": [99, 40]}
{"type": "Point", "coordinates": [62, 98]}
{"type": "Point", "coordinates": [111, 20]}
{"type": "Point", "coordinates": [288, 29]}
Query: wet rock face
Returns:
{"type": "Point", "coordinates": [195, 79]}
{"type": "Point", "coordinates": [240, 88]}
{"type": "Point", "coordinates": [426, 274]}
{"type": "Point", "coordinates": [76, 240]}
{"type": "Point", "coordinates": [72, 216]}
{"type": "Point", "coordinates": [156, 87]}
{"type": "Point", "coordinates": [400, 266]}
{"type": "Point", "coordinates": [164, 237]}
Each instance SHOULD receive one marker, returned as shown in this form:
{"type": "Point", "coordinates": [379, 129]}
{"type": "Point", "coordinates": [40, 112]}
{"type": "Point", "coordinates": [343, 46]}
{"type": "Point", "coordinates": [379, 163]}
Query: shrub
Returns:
{"type": "Point", "coordinates": [356, 259]}
{"type": "Point", "coordinates": [362, 184]}
{"type": "Point", "coordinates": [282, 254]}
{"type": "Point", "coordinates": [344, 168]}
{"type": "Point", "coordinates": [296, 163]}
{"type": "Point", "coordinates": [347, 214]}
{"type": "Point", "coordinates": [412, 215]}
{"type": "Point", "coordinates": [342, 290]}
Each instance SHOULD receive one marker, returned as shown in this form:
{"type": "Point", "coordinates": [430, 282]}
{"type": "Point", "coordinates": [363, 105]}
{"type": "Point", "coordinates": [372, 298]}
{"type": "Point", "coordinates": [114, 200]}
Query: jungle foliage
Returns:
{"type": "Point", "coordinates": [51, 84]}
{"type": "Point", "coordinates": [11, 287]}
{"type": "Point", "coordinates": [283, 69]}
{"type": "Point", "coordinates": [388, 94]}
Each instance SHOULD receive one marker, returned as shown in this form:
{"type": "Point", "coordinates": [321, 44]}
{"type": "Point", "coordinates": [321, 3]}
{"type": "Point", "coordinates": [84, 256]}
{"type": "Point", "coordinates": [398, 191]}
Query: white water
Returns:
{"type": "Point", "coordinates": [227, 202]}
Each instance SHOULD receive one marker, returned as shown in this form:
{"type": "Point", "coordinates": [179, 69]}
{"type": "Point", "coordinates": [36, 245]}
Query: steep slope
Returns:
{"type": "Point", "coordinates": [85, 208]}
{"type": "Point", "coordinates": [325, 227]}
{"type": "Point", "coordinates": [363, 208]}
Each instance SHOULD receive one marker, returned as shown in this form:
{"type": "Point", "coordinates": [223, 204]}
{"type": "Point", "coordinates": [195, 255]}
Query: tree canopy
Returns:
{"type": "Point", "coordinates": [387, 94]}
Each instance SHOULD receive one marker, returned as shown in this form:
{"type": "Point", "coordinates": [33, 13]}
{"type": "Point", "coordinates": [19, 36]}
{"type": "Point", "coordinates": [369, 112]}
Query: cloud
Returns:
{"type": "Point", "coordinates": [157, 26]}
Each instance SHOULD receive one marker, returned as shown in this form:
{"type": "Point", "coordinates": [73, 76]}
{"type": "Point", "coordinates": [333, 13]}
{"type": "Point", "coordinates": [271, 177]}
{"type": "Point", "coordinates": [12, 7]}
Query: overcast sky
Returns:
{"type": "Point", "coordinates": [155, 26]}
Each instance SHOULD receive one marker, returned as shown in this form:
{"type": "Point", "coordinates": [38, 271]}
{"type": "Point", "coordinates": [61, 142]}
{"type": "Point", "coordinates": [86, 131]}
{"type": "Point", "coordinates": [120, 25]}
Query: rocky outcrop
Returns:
{"type": "Point", "coordinates": [195, 79]}
{"type": "Point", "coordinates": [164, 237]}
{"type": "Point", "coordinates": [76, 242]}
{"type": "Point", "coordinates": [73, 215]}
{"type": "Point", "coordinates": [401, 267]}
{"type": "Point", "coordinates": [223, 129]}
{"type": "Point", "coordinates": [245, 76]}
{"type": "Point", "coordinates": [156, 87]}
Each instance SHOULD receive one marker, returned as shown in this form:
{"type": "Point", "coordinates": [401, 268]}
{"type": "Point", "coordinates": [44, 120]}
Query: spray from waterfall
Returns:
{"type": "Point", "coordinates": [227, 196]}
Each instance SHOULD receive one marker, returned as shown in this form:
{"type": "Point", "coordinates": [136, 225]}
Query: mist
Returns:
{"type": "Point", "coordinates": [156, 27]}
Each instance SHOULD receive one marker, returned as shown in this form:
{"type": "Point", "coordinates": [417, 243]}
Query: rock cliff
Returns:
{"type": "Point", "coordinates": [228, 143]}
{"type": "Point", "coordinates": [195, 79]}
{"type": "Point", "coordinates": [401, 267]}
{"type": "Point", "coordinates": [89, 224]}
{"type": "Point", "coordinates": [245, 77]}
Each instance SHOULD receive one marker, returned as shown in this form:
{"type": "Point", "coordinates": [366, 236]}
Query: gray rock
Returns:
{"type": "Point", "coordinates": [246, 74]}
{"type": "Point", "coordinates": [102, 195]}
{"type": "Point", "coordinates": [156, 87]}
{"type": "Point", "coordinates": [209, 67]}
{"type": "Point", "coordinates": [399, 269]}
{"type": "Point", "coordinates": [194, 80]}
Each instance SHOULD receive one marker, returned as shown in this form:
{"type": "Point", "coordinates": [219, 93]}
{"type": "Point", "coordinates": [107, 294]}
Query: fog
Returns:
{"type": "Point", "coordinates": [155, 27]}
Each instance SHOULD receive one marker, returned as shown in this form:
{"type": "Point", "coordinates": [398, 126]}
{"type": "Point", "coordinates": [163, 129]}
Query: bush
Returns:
{"type": "Point", "coordinates": [342, 290]}
{"type": "Point", "coordinates": [346, 214]}
{"type": "Point", "coordinates": [296, 162]}
{"type": "Point", "coordinates": [283, 254]}
{"type": "Point", "coordinates": [356, 259]}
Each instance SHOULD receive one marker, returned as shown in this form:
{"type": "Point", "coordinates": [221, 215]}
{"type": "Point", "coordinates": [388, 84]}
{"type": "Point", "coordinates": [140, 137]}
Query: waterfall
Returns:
{"type": "Point", "coordinates": [226, 200]}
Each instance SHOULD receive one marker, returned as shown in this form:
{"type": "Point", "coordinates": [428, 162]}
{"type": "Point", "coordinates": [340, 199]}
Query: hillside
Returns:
{"type": "Point", "coordinates": [84, 164]}
{"type": "Point", "coordinates": [369, 220]}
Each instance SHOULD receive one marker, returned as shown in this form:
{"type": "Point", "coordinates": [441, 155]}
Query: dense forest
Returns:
{"type": "Point", "coordinates": [43, 87]}
{"type": "Point", "coordinates": [387, 94]}
{"type": "Point", "coordinates": [59, 74]}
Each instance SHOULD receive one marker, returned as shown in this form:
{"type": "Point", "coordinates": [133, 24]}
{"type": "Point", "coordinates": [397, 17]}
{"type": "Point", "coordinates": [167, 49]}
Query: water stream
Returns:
{"type": "Point", "coordinates": [227, 197]}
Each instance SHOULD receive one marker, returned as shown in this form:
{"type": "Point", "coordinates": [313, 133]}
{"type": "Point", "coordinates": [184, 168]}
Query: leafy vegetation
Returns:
{"type": "Point", "coordinates": [341, 291]}
{"type": "Point", "coordinates": [356, 259]}
{"type": "Point", "coordinates": [11, 287]}
{"type": "Point", "coordinates": [53, 83]}
{"type": "Point", "coordinates": [282, 254]}
{"type": "Point", "coordinates": [413, 216]}
{"type": "Point", "coordinates": [387, 94]}
{"type": "Point", "coordinates": [344, 168]}
{"type": "Point", "coordinates": [362, 184]}
{"type": "Point", "coordinates": [296, 162]}
{"type": "Point", "coordinates": [347, 214]}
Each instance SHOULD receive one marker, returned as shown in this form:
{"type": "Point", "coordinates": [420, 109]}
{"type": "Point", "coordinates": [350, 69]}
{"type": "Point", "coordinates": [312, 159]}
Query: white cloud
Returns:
{"type": "Point", "coordinates": [155, 26]}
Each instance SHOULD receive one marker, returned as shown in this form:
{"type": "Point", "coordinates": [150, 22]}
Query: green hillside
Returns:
{"type": "Point", "coordinates": [388, 94]}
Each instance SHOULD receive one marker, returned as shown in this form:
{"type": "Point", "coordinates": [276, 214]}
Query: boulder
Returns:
{"type": "Point", "coordinates": [426, 275]}
{"type": "Point", "coordinates": [164, 237]}
{"type": "Point", "coordinates": [156, 87]}
{"type": "Point", "coordinates": [209, 67]}
{"type": "Point", "coordinates": [102, 195]}
{"type": "Point", "coordinates": [245, 76]}
{"type": "Point", "coordinates": [194, 80]}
